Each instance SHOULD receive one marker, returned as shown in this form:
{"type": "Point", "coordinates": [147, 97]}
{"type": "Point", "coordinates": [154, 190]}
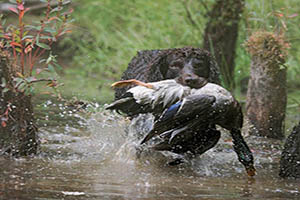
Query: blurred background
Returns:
{"type": "Point", "coordinates": [106, 35]}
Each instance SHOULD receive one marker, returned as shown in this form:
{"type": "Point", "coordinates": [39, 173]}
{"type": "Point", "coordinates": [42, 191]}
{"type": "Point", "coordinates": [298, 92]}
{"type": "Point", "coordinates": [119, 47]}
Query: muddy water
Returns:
{"type": "Point", "coordinates": [94, 157]}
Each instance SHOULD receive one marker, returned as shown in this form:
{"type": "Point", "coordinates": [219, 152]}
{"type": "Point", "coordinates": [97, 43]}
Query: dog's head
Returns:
{"type": "Point", "coordinates": [189, 66]}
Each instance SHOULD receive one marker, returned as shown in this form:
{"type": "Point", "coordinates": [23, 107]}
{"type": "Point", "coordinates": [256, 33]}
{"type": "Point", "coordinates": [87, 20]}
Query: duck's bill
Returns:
{"type": "Point", "coordinates": [125, 83]}
{"type": "Point", "coordinates": [251, 171]}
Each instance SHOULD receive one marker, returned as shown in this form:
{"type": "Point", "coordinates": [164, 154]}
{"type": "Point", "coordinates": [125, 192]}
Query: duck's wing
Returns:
{"type": "Point", "coordinates": [136, 100]}
{"type": "Point", "coordinates": [184, 114]}
{"type": "Point", "coordinates": [184, 139]}
{"type": "Point", "coordinates": [129, 105]}
{"type": "Point", "coordinates": [148, 97]}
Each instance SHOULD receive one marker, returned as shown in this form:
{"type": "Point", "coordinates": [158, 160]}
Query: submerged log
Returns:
{"type": "Point", "coordinates": [266, 95]}
{"type": "Point", "coordinates": [18, 131]}
{"type": "Point", "coordinates": [290, 157]}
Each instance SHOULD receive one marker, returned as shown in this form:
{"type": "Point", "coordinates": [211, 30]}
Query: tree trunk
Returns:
{"type": "Point", "coordinates": [221, 34]}
{"type": "Point", "coordinates": [266, 95]}
{"type": "Point", "coordinates": [18, 131]}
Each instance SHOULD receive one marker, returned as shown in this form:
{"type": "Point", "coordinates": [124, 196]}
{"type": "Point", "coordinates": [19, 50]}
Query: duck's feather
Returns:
{"type": "Point", "coordinates": [191, 108]}
{"type": "Point", "coordinates": [152, 99]}
{"type": "Point", "coordinates": [188, 117]}
{"type": "Point", "coordinates": [210, 104]}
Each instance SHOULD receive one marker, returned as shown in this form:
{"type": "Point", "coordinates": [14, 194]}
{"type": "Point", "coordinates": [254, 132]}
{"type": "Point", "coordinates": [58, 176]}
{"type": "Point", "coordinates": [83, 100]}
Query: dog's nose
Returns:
{"type": "Point", "coordinates": [190, 79]}
{"type": "Point", "coordinates": [193, 80]}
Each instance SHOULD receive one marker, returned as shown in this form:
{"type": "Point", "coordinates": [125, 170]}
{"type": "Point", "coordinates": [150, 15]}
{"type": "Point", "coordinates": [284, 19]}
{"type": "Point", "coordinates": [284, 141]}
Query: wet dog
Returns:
{"type": "Point", "coordinates": [189, 66]}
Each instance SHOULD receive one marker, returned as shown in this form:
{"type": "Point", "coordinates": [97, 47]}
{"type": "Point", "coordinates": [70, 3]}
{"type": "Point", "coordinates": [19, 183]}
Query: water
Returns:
{"type": "Point", "coordinates": [94, 157]}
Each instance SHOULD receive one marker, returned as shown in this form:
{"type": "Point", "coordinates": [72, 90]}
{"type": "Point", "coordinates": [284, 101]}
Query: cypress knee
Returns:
{"type": "Point", "coordinates": [266, 95]}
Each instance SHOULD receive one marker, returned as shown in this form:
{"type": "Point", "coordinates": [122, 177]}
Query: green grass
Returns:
{"type": "Point", "coordinates": [108, 33]}
{"type": "Point", "coordinates": [78, 83]}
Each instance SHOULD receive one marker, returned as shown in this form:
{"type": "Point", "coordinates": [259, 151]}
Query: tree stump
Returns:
{"type": "Point", "coordinates": [266, 95]}
{"type": "Point", "coordinates": [17, 125]}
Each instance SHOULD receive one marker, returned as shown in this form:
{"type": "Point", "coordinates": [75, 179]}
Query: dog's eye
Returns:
{"type": "Point", "coordinates": [198, 62]}
{"type": "Point", "coordinates": [176, 65]}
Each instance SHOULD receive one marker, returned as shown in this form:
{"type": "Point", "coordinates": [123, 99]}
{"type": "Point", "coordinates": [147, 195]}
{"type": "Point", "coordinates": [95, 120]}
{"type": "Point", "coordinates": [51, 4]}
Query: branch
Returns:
{"type": "Point", "coordinates": [42, 80]}
{"type": "Point", "coordinates": [189, 15]}
{"type": "Point", "coordinates": [204, 5]}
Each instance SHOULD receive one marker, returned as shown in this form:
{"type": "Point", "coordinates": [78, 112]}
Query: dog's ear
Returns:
{"type": "Point", "coordinates": [214, 71]}
{"type": "Point", "coordinates": [158, 68]}
{"type": "Point", "coordinates": [137, 69]}
{"type": "Point", "coordinates": [163, 66]}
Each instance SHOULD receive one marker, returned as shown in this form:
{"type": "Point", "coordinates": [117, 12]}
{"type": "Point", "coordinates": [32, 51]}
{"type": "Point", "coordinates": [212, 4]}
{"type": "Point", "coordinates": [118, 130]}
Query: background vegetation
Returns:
{"type": "Point", "coordinates": [108, 33]}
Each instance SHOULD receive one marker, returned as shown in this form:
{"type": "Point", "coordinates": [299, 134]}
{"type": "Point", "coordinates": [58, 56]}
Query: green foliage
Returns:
{"type": "Point", "coordinates": [274, 16]}
{"type": "Point", "coordinates": [22, 46]}
{"type": "Point", "coordinates": [30, 42]}
{"type": "Point", "coordinates": [108, 34]}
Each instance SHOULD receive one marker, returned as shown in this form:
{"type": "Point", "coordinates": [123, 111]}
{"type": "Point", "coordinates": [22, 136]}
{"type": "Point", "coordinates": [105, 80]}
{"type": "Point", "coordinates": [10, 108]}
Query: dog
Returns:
{"type": "Point", "coordinates": [190, 66]}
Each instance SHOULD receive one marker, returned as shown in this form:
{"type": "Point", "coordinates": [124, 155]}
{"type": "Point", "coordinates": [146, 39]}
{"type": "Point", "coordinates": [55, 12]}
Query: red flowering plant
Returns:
{"type": "Point", "coordinates": [30, 42]}
{"type": "Point", "coordinates": [29, 46]}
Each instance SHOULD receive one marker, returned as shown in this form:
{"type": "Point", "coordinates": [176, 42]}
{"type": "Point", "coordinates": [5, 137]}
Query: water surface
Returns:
{"type": "Point", "coordinates": [93, 156]}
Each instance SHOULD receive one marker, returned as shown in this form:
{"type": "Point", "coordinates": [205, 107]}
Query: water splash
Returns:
{"type": "Point", "coordinates": [94, 156]}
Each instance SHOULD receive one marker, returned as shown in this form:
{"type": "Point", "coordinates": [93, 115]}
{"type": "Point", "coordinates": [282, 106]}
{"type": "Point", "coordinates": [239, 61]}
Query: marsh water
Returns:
{"type": "Point", "coordinates": [93, 156]}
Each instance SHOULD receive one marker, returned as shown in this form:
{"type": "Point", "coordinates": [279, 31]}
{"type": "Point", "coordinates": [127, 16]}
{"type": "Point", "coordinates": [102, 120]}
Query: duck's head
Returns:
{"type": "Point", "coordinates": [243, 152]}
{"type": "Point", "coordinates": [246, 158]}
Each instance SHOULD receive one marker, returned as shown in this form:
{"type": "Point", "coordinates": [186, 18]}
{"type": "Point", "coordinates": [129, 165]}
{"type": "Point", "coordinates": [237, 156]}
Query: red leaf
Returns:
{"type": "Point", "coordinates": [6, 37]}
{"type": "Point", "coordinates": [26, 9]}
{"type": "Point", "coordinates": [15, 44]}
{"type": "Point", "coordinates": [280, 15]}
{"type": "Point", "coordinates": [3, 124]}
{"type": "Point", "coordinates": [52, 18]}
{"type": "Point", "coordinates": [28, 49]}
{"type": "Point", "coordinates": [14, 10]}
{"type": "Point", "coordinates": [21, 7]}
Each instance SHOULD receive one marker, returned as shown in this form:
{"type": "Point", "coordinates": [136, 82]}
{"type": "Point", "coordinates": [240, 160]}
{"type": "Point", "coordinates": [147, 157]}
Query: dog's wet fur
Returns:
{"type": "Point", "coordinates": [188, 66]}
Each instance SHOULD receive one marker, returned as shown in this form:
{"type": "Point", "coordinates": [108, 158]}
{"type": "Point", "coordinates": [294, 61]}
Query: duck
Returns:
{"type": "Point", "coordinates": [185, 118]}
{"type": "Point", "coordinates": [148, 97]}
